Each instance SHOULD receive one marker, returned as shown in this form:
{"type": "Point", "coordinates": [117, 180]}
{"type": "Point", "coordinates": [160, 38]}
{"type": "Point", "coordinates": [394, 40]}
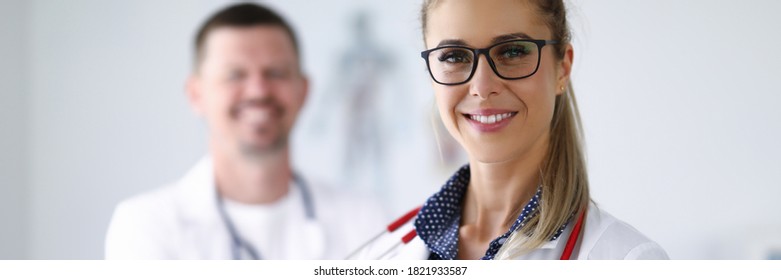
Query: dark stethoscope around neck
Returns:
{"type": "Point", "coordinates": [238, 244]}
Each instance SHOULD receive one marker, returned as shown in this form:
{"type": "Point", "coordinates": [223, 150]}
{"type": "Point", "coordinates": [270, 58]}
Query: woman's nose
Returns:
{"type": "Point", "coordinates": [484, 82]}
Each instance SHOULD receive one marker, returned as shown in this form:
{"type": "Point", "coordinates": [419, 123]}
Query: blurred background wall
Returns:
{"type": "Point", "coordinates": [13, 130]}
{"type": "Point", "coordinates": [679, 100]}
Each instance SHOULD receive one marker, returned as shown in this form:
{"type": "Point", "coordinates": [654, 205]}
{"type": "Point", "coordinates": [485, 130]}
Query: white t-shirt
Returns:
{"type": "Point", "coordinates": [263, 225]}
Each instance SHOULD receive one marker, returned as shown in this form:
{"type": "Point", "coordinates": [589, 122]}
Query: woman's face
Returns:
{"type": "Point", "coordinates": [494, 119]}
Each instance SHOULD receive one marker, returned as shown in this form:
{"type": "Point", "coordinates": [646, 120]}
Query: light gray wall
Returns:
{"type": "Point", "coordinates": [109, 117]}
{"type": "Point", "coordinates": [13, 129]}
{"type": "Point", "coordinates": [680, 104]}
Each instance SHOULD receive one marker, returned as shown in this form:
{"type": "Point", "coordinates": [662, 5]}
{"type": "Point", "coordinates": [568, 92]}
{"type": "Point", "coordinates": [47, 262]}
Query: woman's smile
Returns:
{"type": "Point", "coordinates": [489, 120]}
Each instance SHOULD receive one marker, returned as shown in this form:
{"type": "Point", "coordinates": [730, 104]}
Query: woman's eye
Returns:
{"type": "Point", "coordinates": [515, 51]}
{"type": "Point", "coordinates": [456, 56]}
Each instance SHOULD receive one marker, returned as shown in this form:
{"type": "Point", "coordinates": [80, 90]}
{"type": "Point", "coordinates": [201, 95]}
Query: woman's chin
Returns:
{"type": "Point", "coordinates": [490, 157]}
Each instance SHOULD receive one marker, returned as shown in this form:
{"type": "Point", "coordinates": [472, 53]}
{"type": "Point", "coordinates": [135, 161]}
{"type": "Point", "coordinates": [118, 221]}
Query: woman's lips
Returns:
{"type": "Point", "coordinates": [491, 120]}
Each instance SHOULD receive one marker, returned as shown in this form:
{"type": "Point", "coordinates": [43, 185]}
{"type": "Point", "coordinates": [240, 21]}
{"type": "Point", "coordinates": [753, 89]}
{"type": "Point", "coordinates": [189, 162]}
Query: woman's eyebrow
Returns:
{"type": "Point", "coordinates": [497, 39]}
{"type": "Point", "coordinates": [508, 37]}
{"type": "Point", "coordinates": [452, 42]}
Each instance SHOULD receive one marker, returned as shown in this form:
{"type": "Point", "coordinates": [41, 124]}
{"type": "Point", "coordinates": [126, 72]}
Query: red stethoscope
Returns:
{"type": "Point", "coordinates": [406, 238]}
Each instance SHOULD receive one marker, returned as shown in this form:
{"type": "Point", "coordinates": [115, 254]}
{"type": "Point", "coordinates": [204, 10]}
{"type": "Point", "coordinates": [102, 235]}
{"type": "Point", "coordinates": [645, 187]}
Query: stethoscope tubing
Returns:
{"type": "Point", "coordinates": [237, 242]}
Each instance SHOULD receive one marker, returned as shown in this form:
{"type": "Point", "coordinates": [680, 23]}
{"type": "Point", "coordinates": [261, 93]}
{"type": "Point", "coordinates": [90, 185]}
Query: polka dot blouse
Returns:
{"type": "Point", "coordinates": [438, 220]}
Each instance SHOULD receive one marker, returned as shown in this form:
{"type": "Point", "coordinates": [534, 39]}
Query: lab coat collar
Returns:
{"type": "Point", "coordinates": [200, 193]}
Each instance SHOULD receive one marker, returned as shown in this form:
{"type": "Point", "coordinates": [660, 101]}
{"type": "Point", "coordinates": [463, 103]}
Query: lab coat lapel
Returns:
{"type": "Point", "coordinates": [203, 232]}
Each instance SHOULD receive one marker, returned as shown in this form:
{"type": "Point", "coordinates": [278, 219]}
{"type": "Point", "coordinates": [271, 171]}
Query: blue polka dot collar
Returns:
{"type": "Point", "coordinates": [439, 218]}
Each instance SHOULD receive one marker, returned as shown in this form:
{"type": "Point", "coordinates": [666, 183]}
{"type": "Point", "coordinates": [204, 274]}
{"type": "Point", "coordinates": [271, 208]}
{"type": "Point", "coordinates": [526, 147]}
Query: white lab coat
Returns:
{"type": "Point", "coordinates": [181, 221]}
{"type": "Point", "coordinates": [603, 238]}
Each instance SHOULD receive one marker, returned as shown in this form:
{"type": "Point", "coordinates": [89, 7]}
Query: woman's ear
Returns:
{"type": "Point", "coordinates": [565, 69]}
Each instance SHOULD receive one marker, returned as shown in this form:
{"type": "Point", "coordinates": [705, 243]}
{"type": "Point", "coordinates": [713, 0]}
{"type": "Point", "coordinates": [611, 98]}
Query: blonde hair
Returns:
{"type": "Point", "coordinates": [564, 181]}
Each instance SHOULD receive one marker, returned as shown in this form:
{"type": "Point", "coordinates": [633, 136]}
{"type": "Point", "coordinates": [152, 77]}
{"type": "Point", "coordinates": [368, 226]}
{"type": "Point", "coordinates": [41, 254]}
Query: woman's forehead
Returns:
{"type": "Point", "coordinates": [479, 23]}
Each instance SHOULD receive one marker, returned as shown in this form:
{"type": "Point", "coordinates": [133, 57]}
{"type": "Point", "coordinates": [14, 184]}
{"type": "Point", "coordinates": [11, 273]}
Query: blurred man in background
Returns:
{"type": "Point", "coordinates": [243, 201]}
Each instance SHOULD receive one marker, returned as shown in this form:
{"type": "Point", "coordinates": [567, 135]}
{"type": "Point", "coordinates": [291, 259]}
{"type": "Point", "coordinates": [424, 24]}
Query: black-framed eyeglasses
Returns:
{"type": "Point", "coordinates": [510, 60]}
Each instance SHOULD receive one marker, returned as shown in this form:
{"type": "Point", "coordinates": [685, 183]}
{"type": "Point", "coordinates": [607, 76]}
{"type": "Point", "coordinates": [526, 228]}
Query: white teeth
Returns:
{"type": "Point", "coordinates": [490, 119]}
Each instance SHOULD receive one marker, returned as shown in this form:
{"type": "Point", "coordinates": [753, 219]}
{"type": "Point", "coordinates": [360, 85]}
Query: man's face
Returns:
{"type": "Point", "coordinates": [249, 88]}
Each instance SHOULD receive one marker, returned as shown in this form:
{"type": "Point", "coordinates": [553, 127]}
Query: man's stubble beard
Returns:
{"type": "Point", "coordinates": [251, 151]}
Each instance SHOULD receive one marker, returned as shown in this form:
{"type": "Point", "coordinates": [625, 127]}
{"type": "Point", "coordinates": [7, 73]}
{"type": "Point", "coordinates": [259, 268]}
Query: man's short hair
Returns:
{"type": "Point", "coordinates": [240, 15]}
